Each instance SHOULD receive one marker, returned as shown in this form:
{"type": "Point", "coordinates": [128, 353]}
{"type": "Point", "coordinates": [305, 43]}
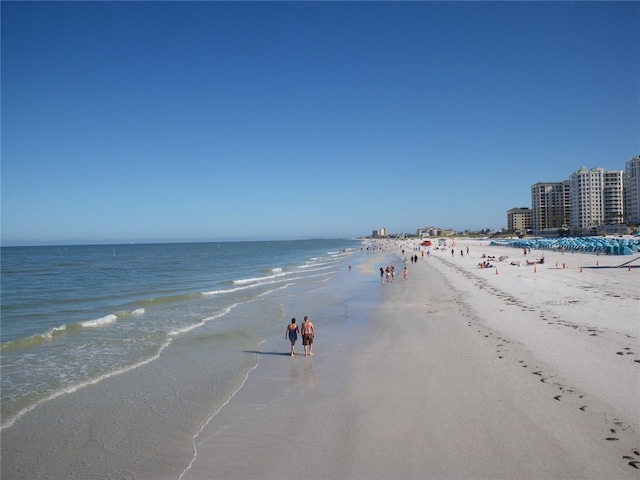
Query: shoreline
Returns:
{"type": "Point", "coordinates": [452, 374]}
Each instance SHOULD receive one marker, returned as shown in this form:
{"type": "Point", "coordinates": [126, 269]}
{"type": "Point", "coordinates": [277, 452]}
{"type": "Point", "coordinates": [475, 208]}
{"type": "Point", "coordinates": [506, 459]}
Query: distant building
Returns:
{"type": "Point", "coordinates": [551, 206]}
{"type": "Point", "coordinates": [596, 199]}
{"type": "Point", "coordinates": [428, 232]}
{"type": "Point", "coordinates": [613, 197]}
{"type": "Point", "coordinates": [632, 191]}
{"type": "Point", "coordinates": [380, 233]}
{"type": "Point", "coordinates": [520, 219]}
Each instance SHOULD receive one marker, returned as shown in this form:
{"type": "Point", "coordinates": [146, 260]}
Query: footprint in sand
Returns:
{"type": "Point", "coordinates": [583, 407]}
{"type": "Point", "coordinates": [557, 397]}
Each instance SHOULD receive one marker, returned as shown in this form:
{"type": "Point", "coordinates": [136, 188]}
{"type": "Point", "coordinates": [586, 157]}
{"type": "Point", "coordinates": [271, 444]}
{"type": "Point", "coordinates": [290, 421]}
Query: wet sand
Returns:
{"type": "Point", "coordinates": [457, 373]}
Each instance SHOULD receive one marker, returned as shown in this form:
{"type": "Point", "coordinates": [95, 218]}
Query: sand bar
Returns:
{"type": "Point", "coordinates": [460, 372]}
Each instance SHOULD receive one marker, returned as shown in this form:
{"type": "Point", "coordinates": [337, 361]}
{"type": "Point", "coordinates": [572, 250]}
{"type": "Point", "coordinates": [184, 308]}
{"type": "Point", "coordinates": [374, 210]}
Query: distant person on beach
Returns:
{"type": "Point", "coordinates": [405, 273]}
{"type": "Point", "coordinates": [308, 332]}
{"type": "Point", "coordinates": [381, 274]}
{"type": "Point", "coordinates": [292, 332]}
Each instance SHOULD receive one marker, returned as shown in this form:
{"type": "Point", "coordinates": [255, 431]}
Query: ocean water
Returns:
{"type": "Point", "coordinates": [180, 322]}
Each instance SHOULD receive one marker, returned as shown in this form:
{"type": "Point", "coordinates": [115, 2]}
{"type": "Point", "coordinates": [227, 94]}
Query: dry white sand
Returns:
{"type": "Point", "coordinates": [457, 373]}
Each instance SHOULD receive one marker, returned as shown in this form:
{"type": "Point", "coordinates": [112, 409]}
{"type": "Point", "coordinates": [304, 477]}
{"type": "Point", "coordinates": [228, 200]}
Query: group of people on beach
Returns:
{"type": "Point", "coordinates": [390, 273]}
{"type": "Point", "coordinates": [306, 330]}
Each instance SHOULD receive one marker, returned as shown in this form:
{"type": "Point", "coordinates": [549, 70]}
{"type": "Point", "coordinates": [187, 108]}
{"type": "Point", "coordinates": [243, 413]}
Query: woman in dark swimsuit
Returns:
{"type": "Point", "coordinates": [292, 333]}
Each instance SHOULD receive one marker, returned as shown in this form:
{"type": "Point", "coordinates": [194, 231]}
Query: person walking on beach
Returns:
{"type": "Point", "coordinates": [308, 332]}
{"type": "Point", "coordinates": [292, 332]}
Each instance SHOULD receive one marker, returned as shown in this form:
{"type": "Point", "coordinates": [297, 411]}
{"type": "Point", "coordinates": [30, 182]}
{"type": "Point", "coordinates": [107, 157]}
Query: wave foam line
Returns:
{"type": "Point", "coordinates": [309, 265]}
{"type": "Point", "coordinates": [36, 339]}
{"type": "Point", "coordinates": [258, 279]}
{"type": "Point", "coordinates": [309, 269]}
{"type": "Point", "coordinates": [272, 281]}
{"type": "Point", "coordinates": [195, 436]}
{"type": "Point", "coordinates": [84, 384]}
{"type": "Point", "coordinates": [246, 287]}
{"type": "Point", "coordinates": [188, 328]}
{"type": "Point", "coordinates": [228, 290]}
{"type": "Point", "coordinates": [98, 322]}
{"type": "Point", "coordinates": [274, 290]}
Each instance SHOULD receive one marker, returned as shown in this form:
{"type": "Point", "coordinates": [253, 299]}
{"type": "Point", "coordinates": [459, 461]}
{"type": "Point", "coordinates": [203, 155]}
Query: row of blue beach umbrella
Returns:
{"type": "Point", "coordinates": [604, 245]}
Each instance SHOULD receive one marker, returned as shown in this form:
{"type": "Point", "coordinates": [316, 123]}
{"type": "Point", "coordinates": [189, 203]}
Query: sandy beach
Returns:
{"type": "Point", "coordinates": [508, 372]}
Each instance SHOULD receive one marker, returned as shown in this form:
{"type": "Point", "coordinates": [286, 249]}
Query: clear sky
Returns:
{"type": "Point", "coordinates": [197, 121]}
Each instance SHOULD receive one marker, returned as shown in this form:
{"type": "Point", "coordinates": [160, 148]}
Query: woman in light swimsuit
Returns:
{"type": "Point", "coordinates": [292, 333]}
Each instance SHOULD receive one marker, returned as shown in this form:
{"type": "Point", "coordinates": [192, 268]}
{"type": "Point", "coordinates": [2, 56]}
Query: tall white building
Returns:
{"type": "Point", "coordinates": [586, 198]}
{"type": "Point", "coordinates": [632, 191]}
{"type": "Point", "coordinates": [613, 197]}
{"type": "Point", "coordinates": [596, 198]}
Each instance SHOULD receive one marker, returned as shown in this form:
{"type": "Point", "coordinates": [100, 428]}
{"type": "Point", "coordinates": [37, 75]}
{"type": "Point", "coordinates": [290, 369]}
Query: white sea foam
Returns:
{"type": "Point", "coordinates": [320, 268]}
{"type": "Point", "coordinates": [34, 340]}
{"type": "Point", "coordinates": [188, 328]}
{"type": "Point", "coordinates": [259, 279]}
{"type": "Point", "coordinates": [54, 331]}
{"type": "Point", "coordinates": [74, 388]}
{"type": "Point", "coordinates": [309, 265]}
{"type": "Point", "coordinates": [269, 281]}
{"type": "Point", "coordinates": [275, 290]}
{"type": "Point", "coordinates": [228, 290]}
{"type": "Point", "coordinates": [98, 322]}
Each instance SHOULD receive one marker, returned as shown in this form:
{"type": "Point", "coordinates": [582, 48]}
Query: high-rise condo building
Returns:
{"type": "Point", "coordinates": [613, 197]}
{"type": "Point", "coordinates": [551, 206]}
{"type": "Point", "coordinates": [596, 198]}
{"type": "Point", "coordinates": [632, 191]}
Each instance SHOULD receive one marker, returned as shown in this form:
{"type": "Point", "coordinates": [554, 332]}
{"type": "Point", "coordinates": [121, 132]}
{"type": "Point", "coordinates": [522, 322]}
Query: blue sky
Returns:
{"type": "Point", "coordinates": [196, 121]}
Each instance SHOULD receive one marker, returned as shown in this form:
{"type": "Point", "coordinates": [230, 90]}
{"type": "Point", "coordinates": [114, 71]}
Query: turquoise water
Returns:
{"type": "Point", "coordinates": [77, 315]}
{"type": "Point", "coordinates": [115, 356]}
